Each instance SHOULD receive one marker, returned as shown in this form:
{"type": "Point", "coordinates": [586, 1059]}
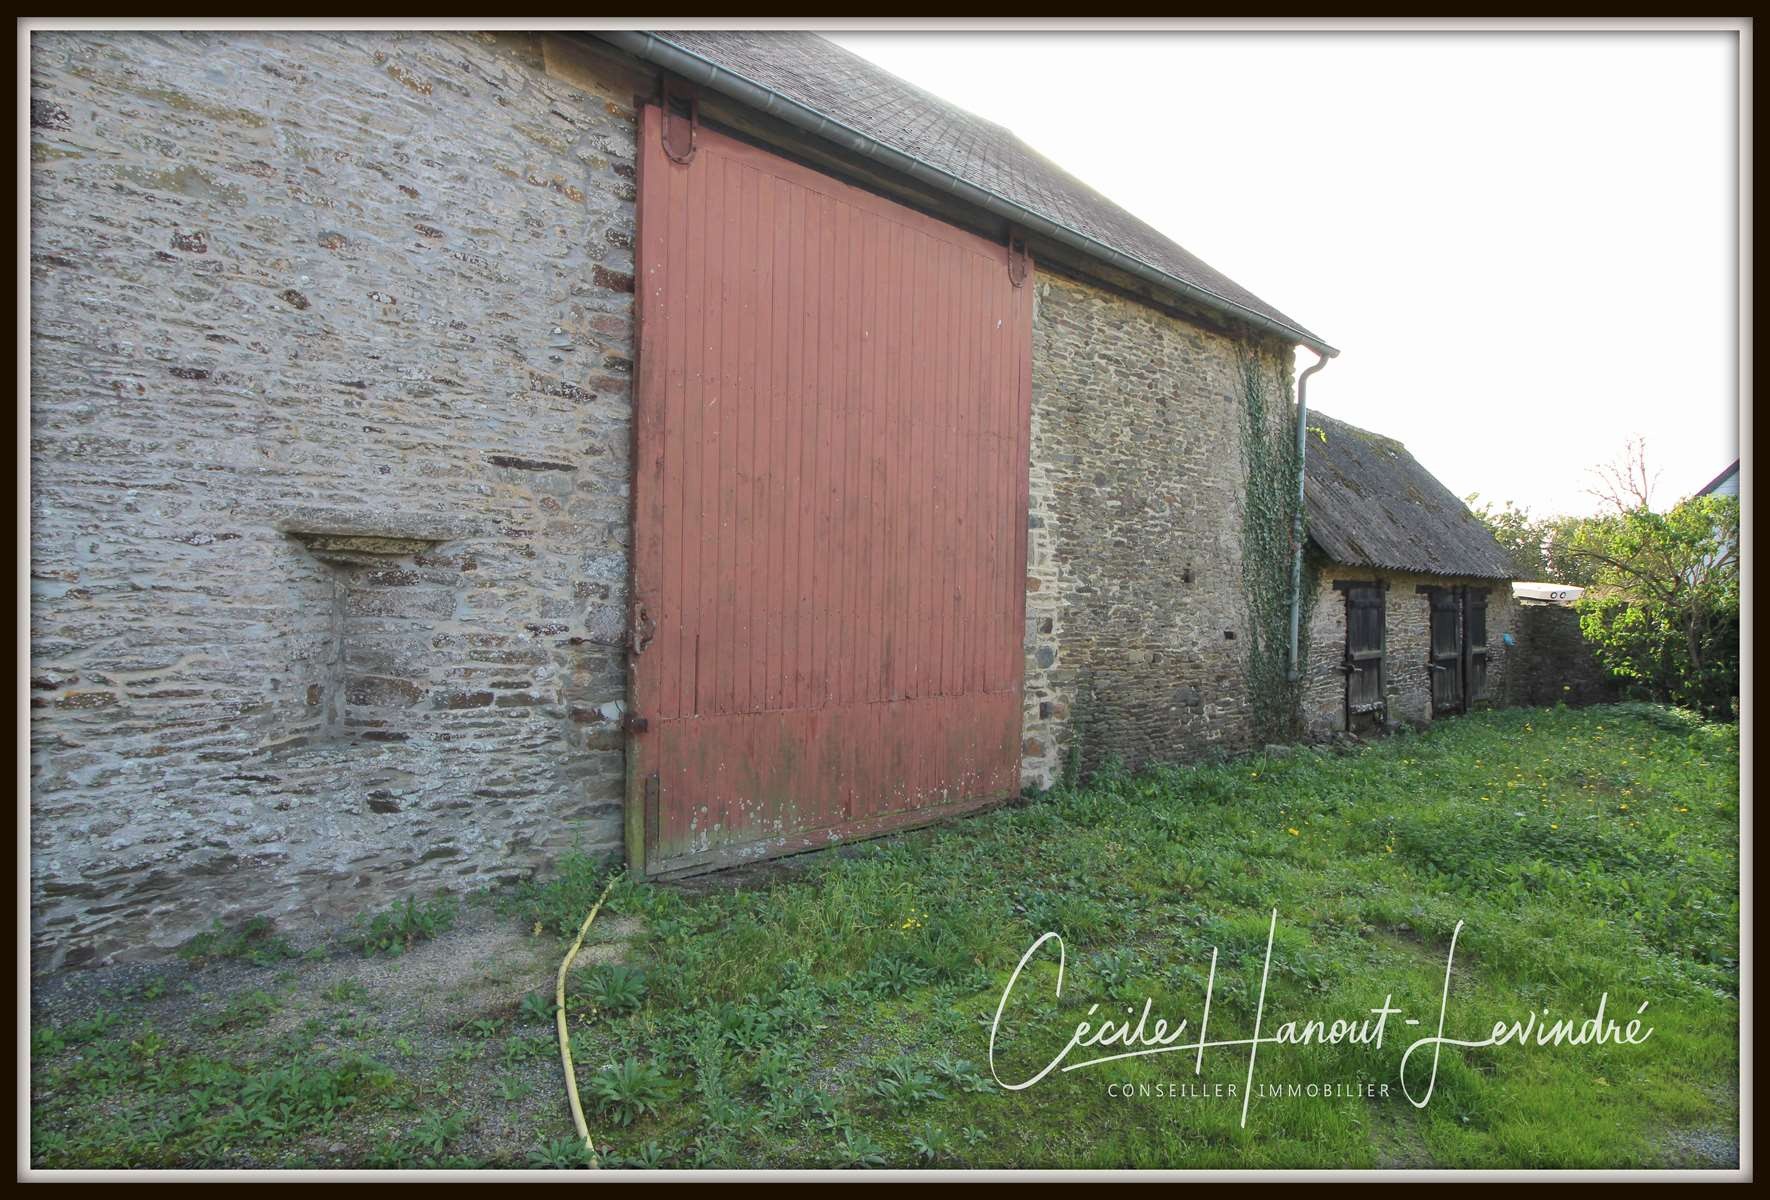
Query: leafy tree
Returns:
{"type": "Point", "coordinates": [1538, 547]}
{"type": "Point", "coordinates": [1663, 609]}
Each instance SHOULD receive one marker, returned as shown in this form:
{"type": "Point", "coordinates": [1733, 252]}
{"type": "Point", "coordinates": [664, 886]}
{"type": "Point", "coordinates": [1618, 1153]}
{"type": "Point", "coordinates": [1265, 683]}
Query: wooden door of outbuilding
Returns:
{"type": "Point", "coordinates": [1457, 658]}
{"type": "Point", "coordinates": [1474, 645]}
{"type": "Point", "coordinates": [1366, 640]}
{"type": "Point", "coordinates": [1445, 656]}
{"type": "Point", "coordinates": [830, 498]}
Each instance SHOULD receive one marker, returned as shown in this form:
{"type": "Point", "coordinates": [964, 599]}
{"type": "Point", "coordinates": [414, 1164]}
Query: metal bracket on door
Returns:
{"type": "Point", "coordinates": [681, 123]}
{"type": "Point", "coordinates": [643, 628]}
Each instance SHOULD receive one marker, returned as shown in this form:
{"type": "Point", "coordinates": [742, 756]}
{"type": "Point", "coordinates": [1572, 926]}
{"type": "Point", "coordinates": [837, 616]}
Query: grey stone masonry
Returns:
{"type": "Point", "coordinates": [331, 350]}
{"type": "Point", "coordinates": [1555, 663]}
{"type": "Point", "coordinates": [1136, 612]}
{"type": "Point", "coordinates": [1406, 680]}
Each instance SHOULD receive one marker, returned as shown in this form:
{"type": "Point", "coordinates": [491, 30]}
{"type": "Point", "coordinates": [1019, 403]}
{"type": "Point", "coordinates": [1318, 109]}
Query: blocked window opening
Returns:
{"type": "Point", "coordinates": [374, 676]}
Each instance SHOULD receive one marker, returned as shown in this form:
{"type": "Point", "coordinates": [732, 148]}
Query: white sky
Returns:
{"type": "Point", "coordinates": [1523, 245]}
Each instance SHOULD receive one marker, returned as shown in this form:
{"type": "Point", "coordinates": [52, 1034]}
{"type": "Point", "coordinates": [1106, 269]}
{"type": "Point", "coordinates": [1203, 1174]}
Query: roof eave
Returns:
{"type": "Point", "coordinates": [1365, 564]}
{"type": "Point", "coordinates": [661, 52]}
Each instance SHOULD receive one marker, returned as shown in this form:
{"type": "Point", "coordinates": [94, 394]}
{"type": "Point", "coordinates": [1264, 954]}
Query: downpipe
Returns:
{"type": "Point", "coordinates": [1293, 670]}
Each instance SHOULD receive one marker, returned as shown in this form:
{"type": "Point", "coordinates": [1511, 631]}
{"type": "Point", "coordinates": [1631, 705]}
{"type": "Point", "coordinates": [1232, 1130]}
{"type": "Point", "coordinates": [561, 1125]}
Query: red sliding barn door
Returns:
{"type": "Point", "coordinates": [829, 512]}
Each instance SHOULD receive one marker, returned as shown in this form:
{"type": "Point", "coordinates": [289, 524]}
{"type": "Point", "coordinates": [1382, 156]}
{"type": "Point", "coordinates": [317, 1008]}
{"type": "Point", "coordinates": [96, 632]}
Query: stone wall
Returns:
{"type": "Point", "coordinates": [1406, 682]}
{"type": "Point", "coordinates": [331, 347]}
{"type": "Point", "coordinates": [1136, 617]}
{"type": "Point", "coordinates": [330, 437]}
{"type": "Point", "coordinates": [1555, 663]}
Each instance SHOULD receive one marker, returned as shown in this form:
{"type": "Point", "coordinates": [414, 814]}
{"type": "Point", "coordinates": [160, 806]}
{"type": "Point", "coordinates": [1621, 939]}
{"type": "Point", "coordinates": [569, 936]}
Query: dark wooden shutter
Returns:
{"type": "Point", "coordinates": [1364, 651]}
{"type": "Point", "coordinates": [1445, 658]}
{"type": "Point", "coordinates": [1475, 642]}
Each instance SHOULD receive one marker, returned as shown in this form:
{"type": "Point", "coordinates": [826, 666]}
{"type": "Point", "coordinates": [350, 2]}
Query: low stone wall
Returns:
{"type": "Point", "coordinates": [1555, 663]}
{"type": "Point", "coordinates": [331, 348]}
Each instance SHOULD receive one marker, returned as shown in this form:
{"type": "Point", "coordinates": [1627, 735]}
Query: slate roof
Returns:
{"type": "Point", "coordinates": [852, 91]}
{"type": "Point", "coordinates": [1368, 503]}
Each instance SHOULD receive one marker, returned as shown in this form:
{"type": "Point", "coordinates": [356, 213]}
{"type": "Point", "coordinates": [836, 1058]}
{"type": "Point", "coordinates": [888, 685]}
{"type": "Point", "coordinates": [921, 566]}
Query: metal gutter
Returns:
{"type": "Point", "coordinates": [706, 73]}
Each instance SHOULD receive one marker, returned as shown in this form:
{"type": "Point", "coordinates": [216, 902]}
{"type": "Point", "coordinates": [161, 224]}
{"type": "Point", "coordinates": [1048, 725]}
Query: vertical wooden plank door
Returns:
{"type": "Point", "coordinates": [1474, 645]}
{"type": "Point", "coordinates": [1365, 641]}
{"type": "Point", "coordinates": [829, 512]}
{"type": "Point", "coordinates": [1445, 663]}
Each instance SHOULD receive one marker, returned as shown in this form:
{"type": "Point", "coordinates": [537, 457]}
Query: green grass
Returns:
{"type": "Point", "coordinates": [840, 1014]}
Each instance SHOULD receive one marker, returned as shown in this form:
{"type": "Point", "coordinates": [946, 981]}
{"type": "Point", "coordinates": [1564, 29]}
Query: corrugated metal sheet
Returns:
{"type": "Point", "coordinates": [830, 509]}
{"type": "Point", "coordinates": [1370, 504]}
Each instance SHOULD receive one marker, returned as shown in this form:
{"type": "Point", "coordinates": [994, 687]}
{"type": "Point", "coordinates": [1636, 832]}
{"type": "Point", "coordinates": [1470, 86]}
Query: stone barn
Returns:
{"type": "Point", "coordinates": [1413, 611]}
{"type": "Point", "coordinates": [448, 450]}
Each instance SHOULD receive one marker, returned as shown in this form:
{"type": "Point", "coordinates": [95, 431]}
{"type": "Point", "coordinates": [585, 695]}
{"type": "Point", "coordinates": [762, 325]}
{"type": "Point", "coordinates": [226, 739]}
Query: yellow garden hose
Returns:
{"type": "Point", "coordinates": [565, 1038]}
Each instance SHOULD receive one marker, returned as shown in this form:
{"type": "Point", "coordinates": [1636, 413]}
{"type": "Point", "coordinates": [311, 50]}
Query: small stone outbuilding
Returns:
{"type": "Point", "coordinates": [1413, 612]}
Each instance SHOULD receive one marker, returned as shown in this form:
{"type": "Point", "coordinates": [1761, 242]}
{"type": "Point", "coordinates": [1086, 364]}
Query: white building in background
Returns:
{"type": "Point", "coordinates": [1724, 484]}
